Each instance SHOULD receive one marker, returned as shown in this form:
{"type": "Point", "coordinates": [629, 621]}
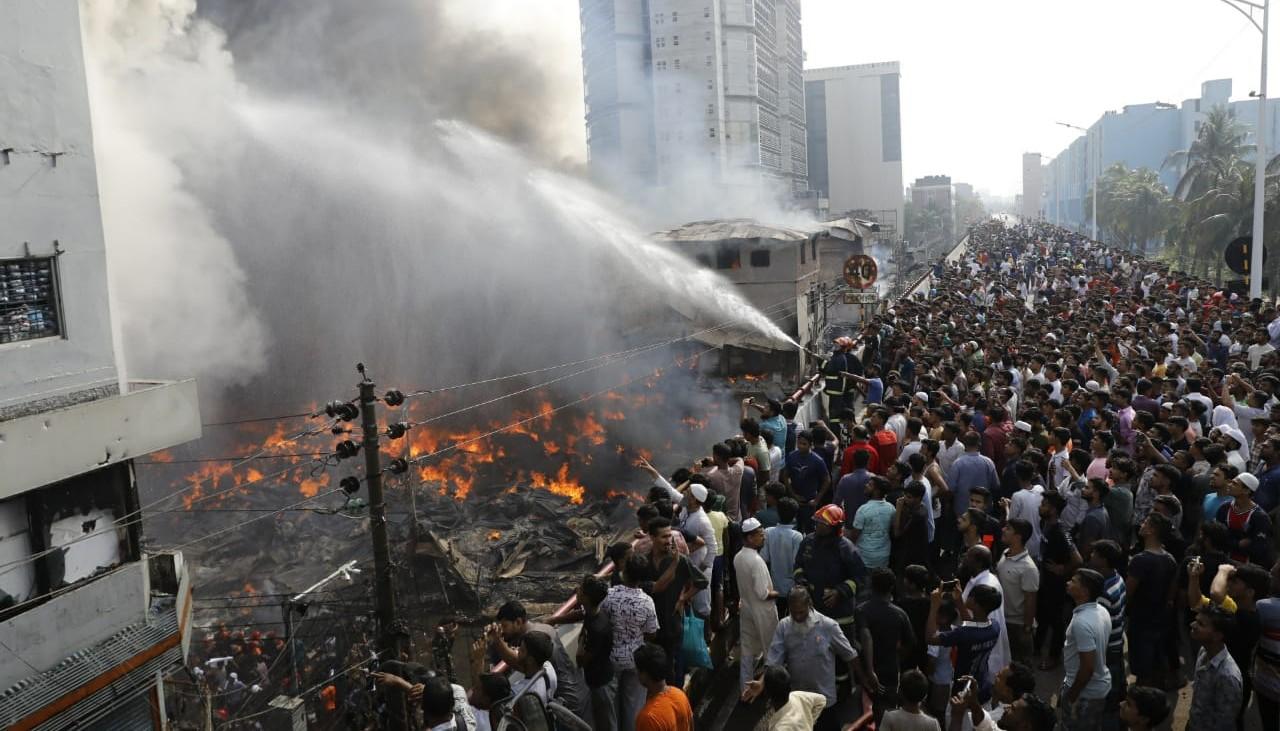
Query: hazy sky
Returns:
{"type": "Point", "coordinates": [982, 80]}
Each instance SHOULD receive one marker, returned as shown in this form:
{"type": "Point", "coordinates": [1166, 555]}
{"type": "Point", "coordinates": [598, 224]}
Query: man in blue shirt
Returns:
{"type": "Point", "coordinates": [976, 636]}
{"type": "Point", "coordinates": [770, 418]}
{"type": "Point", "coordinates": [806, 474]}
{"type": "Point", "coordinates": [1268, 493]}
{"type": "Point", "coordinates": [1087, 680]}
{"type": "Point", "coordinates": [970, 470]}
{"type": "Point", "coordinates": [781, 542]}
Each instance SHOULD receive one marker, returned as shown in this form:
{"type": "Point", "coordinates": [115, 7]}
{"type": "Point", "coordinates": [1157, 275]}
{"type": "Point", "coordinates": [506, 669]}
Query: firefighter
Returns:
{"type": "Point", "coordinates": [837, 386]}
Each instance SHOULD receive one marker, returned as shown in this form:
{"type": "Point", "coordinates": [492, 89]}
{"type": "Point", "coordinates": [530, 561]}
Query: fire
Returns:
{"type": "Point", "coordinates": [495, 535]}
{"type": "Point", "coordinates": [561, 484]}
{"type": "Point", "coordinates": [694, 423]}
{"type": "Point", "coordinates": [249, 588]}
{"type": "Point", "coordinates": [311, 486]}
{"type": "Point", "coordinates": [613, 415]}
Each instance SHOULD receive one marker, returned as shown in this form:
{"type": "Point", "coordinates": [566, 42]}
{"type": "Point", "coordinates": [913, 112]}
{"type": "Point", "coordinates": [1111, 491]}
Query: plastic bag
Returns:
{"type": "Point", "coordinates": [694, 652]}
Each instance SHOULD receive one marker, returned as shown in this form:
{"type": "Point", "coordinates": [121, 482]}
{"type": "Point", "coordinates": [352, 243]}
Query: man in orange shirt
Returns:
{"type": "Point", "coordinates": [667, 708]}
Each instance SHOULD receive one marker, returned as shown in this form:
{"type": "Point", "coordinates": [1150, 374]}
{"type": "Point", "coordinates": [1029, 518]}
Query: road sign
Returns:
{"type": "Point", "coordinates": [861, 298]}
{"type": "Point", "coordinates": [860, 271]}
{"type": "Point", "coordinates": [1237, 255]}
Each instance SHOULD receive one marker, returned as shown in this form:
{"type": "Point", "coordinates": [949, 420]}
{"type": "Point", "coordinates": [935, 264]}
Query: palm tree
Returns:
{"type": "Point", "coordinates": [1134, 207]}
{"type": "Point", "coordinates": [1213, 172]}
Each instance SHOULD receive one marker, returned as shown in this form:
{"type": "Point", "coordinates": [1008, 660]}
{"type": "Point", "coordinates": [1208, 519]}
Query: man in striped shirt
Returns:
{"type": "Point", "coordinates": [1106, 558]}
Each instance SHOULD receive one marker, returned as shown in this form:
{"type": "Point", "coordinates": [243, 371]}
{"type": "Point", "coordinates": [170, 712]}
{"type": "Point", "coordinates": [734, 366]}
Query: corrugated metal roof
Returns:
{"type": "Point", "coordinates": [748, 228]}
{"type": "Point", "coordinates": [37, 691]}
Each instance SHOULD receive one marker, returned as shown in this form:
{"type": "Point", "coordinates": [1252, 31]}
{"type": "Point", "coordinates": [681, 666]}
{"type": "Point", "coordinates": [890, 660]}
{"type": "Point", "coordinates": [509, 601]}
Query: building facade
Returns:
{"type": "Point", "coordinates": [933, 200]}
{"type": "Point", "coordinates": [1140, 135]}
{"type": "Point", "coordinates": [694, 88]}
{"type": "Point", "coordinates": [89, 622]}
{"type": "Point", "coordinates": [855, 141]}
{"type": "Point", "coordinates": [1032, 185]}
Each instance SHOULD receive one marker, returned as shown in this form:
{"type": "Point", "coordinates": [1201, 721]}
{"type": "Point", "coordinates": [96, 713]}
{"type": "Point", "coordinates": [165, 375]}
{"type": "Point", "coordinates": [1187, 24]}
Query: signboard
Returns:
{"type": "Point", "coordinates": [861, 298]}
{"type": "Point", "coordinates": [860, 271]}
{"type": "Point", "coordinates": [1237, 254]}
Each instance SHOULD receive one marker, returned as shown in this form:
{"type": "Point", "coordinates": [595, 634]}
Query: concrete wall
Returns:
{"type": "Point", "coordinates": [863, 170]}
{"type": "Point", "coordinates": [48, 193]}
{"type": "Point", "coordinates": [45, 635]}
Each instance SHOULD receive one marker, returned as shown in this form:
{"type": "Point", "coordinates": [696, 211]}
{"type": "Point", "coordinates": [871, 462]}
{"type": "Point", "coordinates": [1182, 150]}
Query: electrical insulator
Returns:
{"type": "Point", "coordinates": [393, 398]}
{"type": "Point", "coordinates": [397, 430]}
{"type": "Point", "coordinates": [342, 410]}
{"type": "Point", "coordinates": [398, 466]}
{"type": "Point", "coordinates": [347, 449]}
{"type": "Point", "coordinates": [349, 485]}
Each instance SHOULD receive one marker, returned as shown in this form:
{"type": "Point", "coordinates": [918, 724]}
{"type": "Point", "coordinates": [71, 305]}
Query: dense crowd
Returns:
{"type": "Point", "coordinates": [1063, 459]}
{"type": "Point", "coordinates": [1062, 462]}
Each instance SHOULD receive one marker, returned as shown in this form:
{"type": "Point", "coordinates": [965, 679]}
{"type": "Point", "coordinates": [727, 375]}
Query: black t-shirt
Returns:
{"type": "Point", "coordinates": [1154, 572]}
{"type": "Point", "coordinates": [917, 609]}
{"type": "Point", "coordinates": [597, 639]}
{"type": "Point", "coordinates": [671, 623]}
{"type": "Point", "coordinates": [913, 545]}
{"type": "Point", "coordinates": [889, 626]}
{"type": "Point", "coordinates": [1242, 641]}
{"type": "Point", "coordinates": [1056, 545]}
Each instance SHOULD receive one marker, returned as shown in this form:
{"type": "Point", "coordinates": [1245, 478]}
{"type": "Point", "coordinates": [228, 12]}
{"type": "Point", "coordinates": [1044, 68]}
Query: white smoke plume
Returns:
{"type": "Point", "coordinates": [326, 182]}
{"type": "Point", "coordinates": [160, 88]}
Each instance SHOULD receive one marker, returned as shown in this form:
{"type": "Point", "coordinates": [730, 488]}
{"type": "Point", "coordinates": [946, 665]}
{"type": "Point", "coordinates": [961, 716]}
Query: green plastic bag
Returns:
{"type": "Point", "coordinates": [694, 652]}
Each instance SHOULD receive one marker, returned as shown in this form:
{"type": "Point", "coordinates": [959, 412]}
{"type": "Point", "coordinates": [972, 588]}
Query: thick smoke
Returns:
{"type": "Point", "coordinates": [336, 182]}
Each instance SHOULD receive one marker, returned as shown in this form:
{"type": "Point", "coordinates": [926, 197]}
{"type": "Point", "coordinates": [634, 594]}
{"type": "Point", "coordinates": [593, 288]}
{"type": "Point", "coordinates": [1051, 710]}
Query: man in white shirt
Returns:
{"type": "Point", "coordinates": [702, 551]}
{"type": "Point", "coordinates": [977, 564]}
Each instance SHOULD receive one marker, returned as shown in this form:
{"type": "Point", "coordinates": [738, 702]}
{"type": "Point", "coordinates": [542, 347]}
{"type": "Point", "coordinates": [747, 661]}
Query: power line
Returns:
{"type": "Point", "coordinates": [196, 460]}
{"type": "Point", "coordinates": [254, 420]}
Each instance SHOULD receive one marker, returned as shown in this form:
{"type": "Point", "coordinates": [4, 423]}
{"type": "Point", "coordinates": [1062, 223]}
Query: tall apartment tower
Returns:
{"type": "Point", "coordinates": [91, 622]}
{"type": "Point", "coordinates": [855, 141]}
{"type": "Point", "coordinates": [679, 88]}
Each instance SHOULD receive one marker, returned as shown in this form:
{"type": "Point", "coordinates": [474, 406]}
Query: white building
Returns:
{"type": "Point", "coordinates": [89, 623]}
{"type": "Point", "coordinates": [1032, 185]}
{"type": "Point", "coordinates": [855, 140]}
{"type": "Point", "coordinates": [703, 88]}
{"type": "Point", "coordinates": [934, 200]}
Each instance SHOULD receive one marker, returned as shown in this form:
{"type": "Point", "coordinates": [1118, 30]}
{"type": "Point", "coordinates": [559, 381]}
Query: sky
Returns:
{"type": "Point", "coordinates": [983, 81]}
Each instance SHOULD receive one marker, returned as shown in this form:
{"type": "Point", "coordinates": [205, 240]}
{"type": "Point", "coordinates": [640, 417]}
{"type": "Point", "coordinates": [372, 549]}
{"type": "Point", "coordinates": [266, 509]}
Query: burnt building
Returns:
{"type": "Point", "coordinates": [90, 622]}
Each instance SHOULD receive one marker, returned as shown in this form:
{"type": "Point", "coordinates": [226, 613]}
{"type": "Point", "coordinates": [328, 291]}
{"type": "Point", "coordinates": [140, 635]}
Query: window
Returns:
{"type": "Point", "coordinates": [29, 299]}
{"type": "Point", "coordinates": [676, 64]}
{"type": "Point", "coordinates": [711, 132]}
{"type": "Point", "coordinates": [711, 85]}
{"type": "Point", "coordinates": [708, 61]}
{"type": "Point", "coordinates": [706, 11]}
{"type": "Point", "coordinates": [675, 17]}
{"type": "Point", "coordinates": [711, 110]}
{"type": "Point", "coordinates": [728, 257]}
{"type": "Point", "coordinates": [675, 40]}
{"type": "Point", "coordinates": [660, 42]}
{"type": "Point", "coordinates": [706, 36]}
{"type": "Point", "coordinates": [760, 258]}
{"type": "Point", "coordinates": [662, 65]}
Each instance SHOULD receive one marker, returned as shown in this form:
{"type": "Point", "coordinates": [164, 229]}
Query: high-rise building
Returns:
{"type": "Point", "coordinates": [855, 140]}
{"type": "Point", "coordinates": [91, 621]}
{"type": "Point", "coordinates": [933, 198]}
{"type": "Point", "coordinates": [1141, 135]}
{"type": "Point", "coordinates": [1032, 185]}
{"type": "Point", "coordinates": [694, 87]}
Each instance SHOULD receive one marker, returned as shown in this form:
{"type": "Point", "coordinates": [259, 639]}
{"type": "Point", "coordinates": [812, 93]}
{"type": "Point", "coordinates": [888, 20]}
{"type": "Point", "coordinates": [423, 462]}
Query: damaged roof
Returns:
{"type": "Point", "coordinates": [750, 229]}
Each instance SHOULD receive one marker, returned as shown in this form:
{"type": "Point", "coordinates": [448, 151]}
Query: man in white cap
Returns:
{"type": "Point", "coordinates": [1248, 526]}
{"type": "Point", "coordinates": [758, 613]}
{"type": "Point", "coordinates": [702, 549]}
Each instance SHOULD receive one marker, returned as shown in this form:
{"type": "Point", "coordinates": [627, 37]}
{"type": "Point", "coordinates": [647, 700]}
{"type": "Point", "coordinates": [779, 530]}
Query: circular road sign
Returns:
{"type": "Point", "coordinates": [860, 271]}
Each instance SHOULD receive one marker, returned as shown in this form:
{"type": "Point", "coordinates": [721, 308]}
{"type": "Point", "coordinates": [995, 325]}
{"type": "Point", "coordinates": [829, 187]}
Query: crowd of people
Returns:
{"type": "Point", "coordinates": [1064, 462]}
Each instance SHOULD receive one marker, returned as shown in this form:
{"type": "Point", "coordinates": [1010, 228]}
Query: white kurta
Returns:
{"type": "Point", "coordinates": [758, 615]}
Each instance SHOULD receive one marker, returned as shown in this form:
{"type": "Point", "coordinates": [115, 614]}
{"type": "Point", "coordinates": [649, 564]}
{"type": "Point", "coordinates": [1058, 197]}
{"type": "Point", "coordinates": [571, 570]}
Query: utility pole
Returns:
{"type": "Point", "coordinates": [389, 636]}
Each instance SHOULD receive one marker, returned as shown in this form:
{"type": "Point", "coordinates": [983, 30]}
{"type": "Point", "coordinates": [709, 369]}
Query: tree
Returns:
{"type": "Point", "coordinates": [1134, 207]}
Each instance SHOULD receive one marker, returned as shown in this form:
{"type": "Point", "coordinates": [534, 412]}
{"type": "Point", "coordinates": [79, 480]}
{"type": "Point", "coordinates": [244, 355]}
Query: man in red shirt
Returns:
{"type": "Point", "coordinates": [884, 440]}
{"type": "Point", "coordinates": [667, 708]}
{"type": "Point", "coordinates": [859, 443]}
{"type": "Point", "coordinates": [995, 436]}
